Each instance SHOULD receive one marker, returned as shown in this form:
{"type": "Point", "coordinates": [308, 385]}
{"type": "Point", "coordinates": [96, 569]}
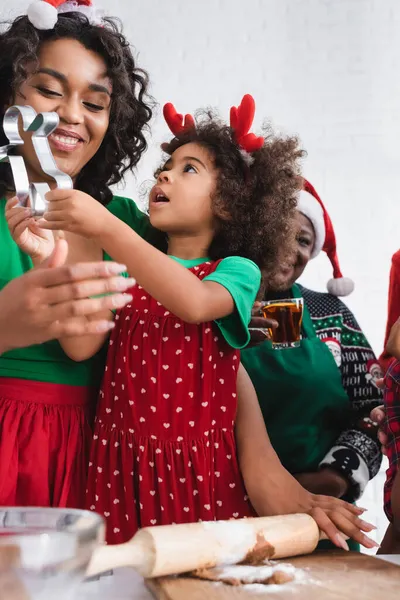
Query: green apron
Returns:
{"type": "Point", "coordinates": [301, 397]}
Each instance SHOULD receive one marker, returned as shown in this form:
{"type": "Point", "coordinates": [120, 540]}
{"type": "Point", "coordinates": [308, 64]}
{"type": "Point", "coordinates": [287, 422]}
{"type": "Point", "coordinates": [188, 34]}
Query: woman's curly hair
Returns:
{"type": "Point", "coordinates": [254, 204]}
{"type": "Point", "coordinates": [131, 106]}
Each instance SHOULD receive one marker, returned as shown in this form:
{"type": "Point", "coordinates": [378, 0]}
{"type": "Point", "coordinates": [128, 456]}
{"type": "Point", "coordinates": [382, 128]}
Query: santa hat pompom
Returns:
{"type": "Point", "coordinates": [310, 205]}
{"type": "Point", "coordinates": [43, 14]}
{"type": "Point", "coordinates": [342, 286]}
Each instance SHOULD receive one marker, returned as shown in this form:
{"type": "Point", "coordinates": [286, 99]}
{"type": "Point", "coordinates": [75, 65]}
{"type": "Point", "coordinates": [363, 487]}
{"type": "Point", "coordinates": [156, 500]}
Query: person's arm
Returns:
{"type": "Point", "coordinates": [272, 490]}
{"type": "Point", "coordinates": [267, 481]}
{"type": "Point", "coordinates": [393, 308]}
{"type": "Point", "coordinates": [356, 455]}
{"type": "Point", "coordinates": [391, 541]}
{"type": "Point", "coordinates": [83, 347]}
{"type": "Point", "coordinates": [392, 429]}
{"type": "Point", "coordinates": [235, 274]}
{"type": "Point", "coordinates": [44, 303]}
{"type": "Point", "coordinates": [393, 343]}
{"type": "Point", "coordinates": [171, 284]}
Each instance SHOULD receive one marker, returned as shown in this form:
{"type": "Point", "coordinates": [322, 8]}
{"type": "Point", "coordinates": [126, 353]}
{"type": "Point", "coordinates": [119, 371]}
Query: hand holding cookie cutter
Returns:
{"type": "Point", "coordinates": [41, 125]}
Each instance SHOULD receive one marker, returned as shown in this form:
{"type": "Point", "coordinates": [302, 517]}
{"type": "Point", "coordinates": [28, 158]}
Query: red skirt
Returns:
{"type": "Point", "coordinates": [45, 436]}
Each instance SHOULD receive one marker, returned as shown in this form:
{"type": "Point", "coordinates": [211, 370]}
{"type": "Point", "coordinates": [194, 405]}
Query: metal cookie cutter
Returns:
{"type": "Point", "coordinates": [41, 125]}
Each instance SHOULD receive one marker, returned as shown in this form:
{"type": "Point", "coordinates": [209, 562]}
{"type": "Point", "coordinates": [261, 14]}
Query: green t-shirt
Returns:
{"type": "Point", "coordinates": [48, 362]}
{"type": "Point", "coordinates": [242, 278]}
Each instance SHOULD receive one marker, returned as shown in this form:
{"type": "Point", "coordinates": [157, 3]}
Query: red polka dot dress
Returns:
{"type": "Point", "coordinates": [164, 446]}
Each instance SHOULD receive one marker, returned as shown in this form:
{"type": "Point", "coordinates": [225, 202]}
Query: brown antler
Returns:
{"type": "Point", "coordinates": [241, 119]}
{"type": "Point", "coordinates": [176, 122]}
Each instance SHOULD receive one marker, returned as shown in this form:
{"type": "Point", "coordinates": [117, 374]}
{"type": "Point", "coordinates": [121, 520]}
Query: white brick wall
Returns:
{"type": "Point", "coordinates": [329, 70]}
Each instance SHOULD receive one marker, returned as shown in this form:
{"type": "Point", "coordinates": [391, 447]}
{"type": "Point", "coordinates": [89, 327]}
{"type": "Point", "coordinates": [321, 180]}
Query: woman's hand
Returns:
{"type": "Point", "coordinates": [325, 481]}
{"type": "Point", "coordinates": [259, 326]}
{"type": "Point", "coordinates": [26, 232]}
{"type": "Point", "coordinates": [75, 211]}
{"type": "Point", "coordinates": [44, 303]}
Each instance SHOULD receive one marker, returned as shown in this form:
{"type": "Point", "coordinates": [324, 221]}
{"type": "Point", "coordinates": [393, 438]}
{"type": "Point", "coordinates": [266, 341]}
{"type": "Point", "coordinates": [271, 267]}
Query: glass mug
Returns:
{"type": "Point", "coordinates": [288, 313]}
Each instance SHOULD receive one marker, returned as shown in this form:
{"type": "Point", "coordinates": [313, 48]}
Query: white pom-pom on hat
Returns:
{"type": "Point", "coordinates": [43, 14]}
{"type": "Point", "coordinates": [342, 286]}
{"type": "Point", "coordinates": [310, 205]}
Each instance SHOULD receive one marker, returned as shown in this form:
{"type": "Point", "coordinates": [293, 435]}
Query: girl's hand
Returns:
{"type": "Point", "coordinates": [27, 233]}
{"type": "Point", "coordinates": [336, 517]}
{"type": "Point", "coordinates": [75, 211]}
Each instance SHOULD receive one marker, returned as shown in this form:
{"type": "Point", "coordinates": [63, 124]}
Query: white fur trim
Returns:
{"type": "Point", "coordinates": [42, 15]}
{"type": "Point", "coordinates": [342, 286]}
{"type": "Point", "coordinates": [311, 208]}
{"type": "Point", "coordinates": [94, 15]}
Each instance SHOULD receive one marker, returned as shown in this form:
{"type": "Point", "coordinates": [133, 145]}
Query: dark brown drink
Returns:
{"type": "Point", "coordinates": [289, 315]}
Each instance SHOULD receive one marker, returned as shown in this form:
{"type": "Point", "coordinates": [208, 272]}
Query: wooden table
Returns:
{"type": "Point", "coordinates": [361, 577]}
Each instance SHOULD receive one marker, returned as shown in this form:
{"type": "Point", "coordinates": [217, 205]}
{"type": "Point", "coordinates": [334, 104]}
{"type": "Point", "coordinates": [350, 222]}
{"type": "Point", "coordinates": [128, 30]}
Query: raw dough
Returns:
{"type": "Point", "coordinates": [244, 574]}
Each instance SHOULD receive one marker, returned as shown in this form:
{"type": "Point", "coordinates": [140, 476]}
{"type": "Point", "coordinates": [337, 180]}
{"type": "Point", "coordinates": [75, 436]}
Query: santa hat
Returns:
{"type": "Point", "coordinates": [310, 204]}
{"type": "Point", "coordinates": [43, 14]}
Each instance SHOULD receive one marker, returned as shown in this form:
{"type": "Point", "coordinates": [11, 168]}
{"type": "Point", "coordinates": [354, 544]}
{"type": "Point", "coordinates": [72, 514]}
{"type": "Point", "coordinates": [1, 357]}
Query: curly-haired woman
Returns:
{"type": "Point", "coordinates": [86, 73]}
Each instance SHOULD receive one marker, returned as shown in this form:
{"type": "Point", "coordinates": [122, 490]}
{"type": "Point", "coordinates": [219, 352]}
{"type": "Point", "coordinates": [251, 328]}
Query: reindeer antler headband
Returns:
{"type": "Point", "coordinates": [241, 119]}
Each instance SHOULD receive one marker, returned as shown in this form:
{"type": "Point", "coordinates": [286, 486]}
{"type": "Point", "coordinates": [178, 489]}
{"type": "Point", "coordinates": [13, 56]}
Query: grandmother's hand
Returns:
{"type": "Point", "coordinates": [259, 326]}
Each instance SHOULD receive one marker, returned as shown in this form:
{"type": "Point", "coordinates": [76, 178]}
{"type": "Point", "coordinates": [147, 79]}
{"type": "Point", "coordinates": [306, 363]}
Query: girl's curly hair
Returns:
{"type": "Point", "coordinates": [253, 204]}
{"type": "Point", "coordinates": [131, 107]}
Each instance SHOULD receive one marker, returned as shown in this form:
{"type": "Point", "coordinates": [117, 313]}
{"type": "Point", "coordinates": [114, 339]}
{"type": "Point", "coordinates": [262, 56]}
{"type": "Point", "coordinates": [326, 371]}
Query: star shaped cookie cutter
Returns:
{"type": "Point", "coordinates": [41, 125]}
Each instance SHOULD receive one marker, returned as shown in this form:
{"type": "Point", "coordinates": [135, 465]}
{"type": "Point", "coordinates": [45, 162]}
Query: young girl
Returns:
{"type": "Point", "coordinates": [164, 447]}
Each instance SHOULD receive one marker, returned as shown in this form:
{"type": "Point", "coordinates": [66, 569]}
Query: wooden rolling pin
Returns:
{"type": "Point", "coordinates": [174, 549]}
